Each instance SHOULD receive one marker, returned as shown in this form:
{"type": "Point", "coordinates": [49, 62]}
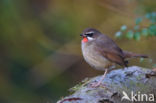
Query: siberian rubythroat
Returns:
{"type": "Point", "coordinates": [102, 53]}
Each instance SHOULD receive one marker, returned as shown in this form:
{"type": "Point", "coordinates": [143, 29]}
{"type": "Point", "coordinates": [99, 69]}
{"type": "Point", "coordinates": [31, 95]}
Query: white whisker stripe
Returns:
{"type": "Point", "coordinates": [90, 38]}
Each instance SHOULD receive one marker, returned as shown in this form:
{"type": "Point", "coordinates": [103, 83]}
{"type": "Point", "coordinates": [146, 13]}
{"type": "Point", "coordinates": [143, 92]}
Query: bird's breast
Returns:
{"type": "Point", "coordinates": [94, 58]}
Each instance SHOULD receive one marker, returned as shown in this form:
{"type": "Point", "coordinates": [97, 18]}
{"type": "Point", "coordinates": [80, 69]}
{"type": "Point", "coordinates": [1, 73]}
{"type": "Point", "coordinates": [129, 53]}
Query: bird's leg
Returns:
{"type": "Point", "coordinates": [99, 82]}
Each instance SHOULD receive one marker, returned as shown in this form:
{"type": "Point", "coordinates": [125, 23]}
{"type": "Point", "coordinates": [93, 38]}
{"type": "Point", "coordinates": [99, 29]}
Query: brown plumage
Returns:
{"type": "Point", "coordinates": [107, 48]}
{"type": "Point", "coordinates": [133, 55]}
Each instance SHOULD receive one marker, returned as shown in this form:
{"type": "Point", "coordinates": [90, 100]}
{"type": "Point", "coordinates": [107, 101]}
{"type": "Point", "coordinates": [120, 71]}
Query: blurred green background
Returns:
{"type": "Point", "coordinates": [40, 53]}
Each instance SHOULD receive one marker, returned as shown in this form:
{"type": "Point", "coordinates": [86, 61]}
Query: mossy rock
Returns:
{"type": "Point", "coordinates": [136, 80]}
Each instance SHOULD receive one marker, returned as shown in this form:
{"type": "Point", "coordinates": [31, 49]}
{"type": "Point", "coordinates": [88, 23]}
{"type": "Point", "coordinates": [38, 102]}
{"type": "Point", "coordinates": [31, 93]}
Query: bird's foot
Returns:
{"type": "Point", "coordinates": [99, 83]}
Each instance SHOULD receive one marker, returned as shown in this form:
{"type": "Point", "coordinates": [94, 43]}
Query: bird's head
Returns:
{"type": "Point", "coordinates": [89, 34]}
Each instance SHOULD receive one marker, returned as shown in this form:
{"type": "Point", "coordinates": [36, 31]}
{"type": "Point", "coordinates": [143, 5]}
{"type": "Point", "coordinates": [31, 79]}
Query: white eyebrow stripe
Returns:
{"type": "Point", "coordinates": [89, 32]}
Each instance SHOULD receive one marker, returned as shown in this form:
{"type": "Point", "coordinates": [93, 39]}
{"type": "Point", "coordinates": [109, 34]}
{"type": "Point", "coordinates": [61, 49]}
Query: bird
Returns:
{"type": "Point", "coordinates": [102, 53]}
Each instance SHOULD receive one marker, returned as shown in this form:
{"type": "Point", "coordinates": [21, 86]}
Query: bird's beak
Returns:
{"type": "Point", "coordinates": [82, 35]}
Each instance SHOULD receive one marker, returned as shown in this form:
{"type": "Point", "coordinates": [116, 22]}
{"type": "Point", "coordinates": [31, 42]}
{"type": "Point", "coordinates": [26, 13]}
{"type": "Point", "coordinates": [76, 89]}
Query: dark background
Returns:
{"type": "Point", "coordinates": [40, 53]}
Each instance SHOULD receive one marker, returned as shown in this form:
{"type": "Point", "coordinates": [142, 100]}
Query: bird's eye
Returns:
{"type": "Point", "coordinates": [90, 34]}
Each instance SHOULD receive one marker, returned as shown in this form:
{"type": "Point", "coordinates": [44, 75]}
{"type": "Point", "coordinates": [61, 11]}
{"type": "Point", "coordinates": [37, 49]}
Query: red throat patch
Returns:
{"type": "Point", "coordinates": [85, 39]}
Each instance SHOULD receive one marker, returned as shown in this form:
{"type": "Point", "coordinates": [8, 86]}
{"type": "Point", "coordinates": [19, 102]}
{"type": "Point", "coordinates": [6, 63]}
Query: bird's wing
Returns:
{"type": "Point", "coordinates": [108, 48]}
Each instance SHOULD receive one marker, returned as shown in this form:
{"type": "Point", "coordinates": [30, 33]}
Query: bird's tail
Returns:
{"type": "Point", "coordinates": [133, 55]}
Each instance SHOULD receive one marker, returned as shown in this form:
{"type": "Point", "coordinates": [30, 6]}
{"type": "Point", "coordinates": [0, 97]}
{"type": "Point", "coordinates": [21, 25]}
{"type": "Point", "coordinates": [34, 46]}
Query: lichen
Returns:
{"type": "Point", "coordinates": [117, 81]}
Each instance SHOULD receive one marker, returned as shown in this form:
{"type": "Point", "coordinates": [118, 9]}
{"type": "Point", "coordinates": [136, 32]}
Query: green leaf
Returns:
{"type": "Point", "coordinates": [144, 32]}
{"type": "Point", "coordinates": [136, 27]}
{"type": "Point", "coordinates": [137, 36]}
{"type": "Point", "coordinates": [151, 17]}
{"type": "Point", "coordinates": [148, 15]}
{"type": "Point", "coordinates": [153, 14]}
{"type": "Point", "coordinates": [129, 34]}
{"type": "Point", "coordinates": [152, 29]}
{"type": "Point", "coordinates": [150, 60]}
{"type": "Point", "coordinates": [123, 28]}
{"type": "Point", "coordinates": [138, 21]}
{"type": "Point", "coordinates": [118, 34]}
{"type": "Point", "coordinates": [153, 20]}
{"type": "Point", "coordinates": [141, 60]}
{"type": "Point", "coordinates": [154, 65]}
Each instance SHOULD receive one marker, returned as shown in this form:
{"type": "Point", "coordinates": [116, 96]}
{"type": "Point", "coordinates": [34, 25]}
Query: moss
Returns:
{"type": "Point", "coordinates": [78, 86]}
